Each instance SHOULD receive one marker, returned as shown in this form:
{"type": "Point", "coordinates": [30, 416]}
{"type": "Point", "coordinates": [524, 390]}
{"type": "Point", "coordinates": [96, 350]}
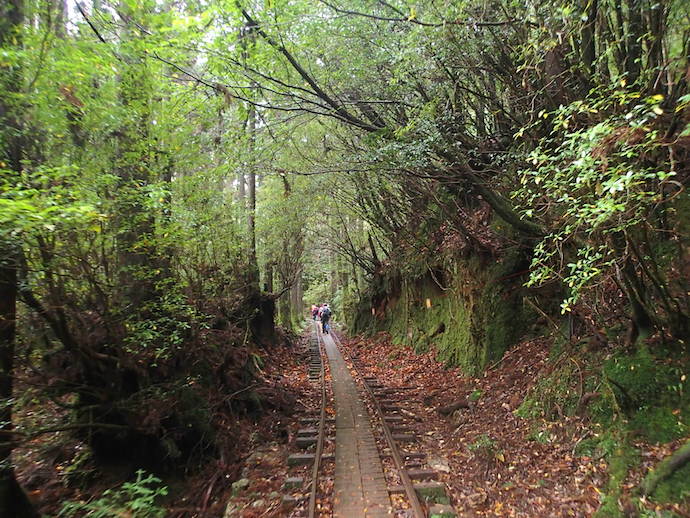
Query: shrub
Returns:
{"type": "Point", "coordinates": [136, 498]}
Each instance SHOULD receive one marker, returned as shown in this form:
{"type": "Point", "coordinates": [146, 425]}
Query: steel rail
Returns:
{"type": "Point", "coordinates": [397, 458]}
{"type": "Point", "coordinates": [322, 428]}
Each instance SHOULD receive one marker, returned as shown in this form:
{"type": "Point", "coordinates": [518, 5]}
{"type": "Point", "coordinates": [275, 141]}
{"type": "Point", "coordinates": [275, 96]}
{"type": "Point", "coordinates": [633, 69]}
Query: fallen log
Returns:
{"type": "Point", "coordinates": [666, 468]}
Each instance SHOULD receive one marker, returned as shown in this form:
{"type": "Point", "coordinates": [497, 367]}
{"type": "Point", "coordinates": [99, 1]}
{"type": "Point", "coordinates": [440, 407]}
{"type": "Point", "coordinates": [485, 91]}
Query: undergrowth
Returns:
{"type": "Point", "coordinates": [633, 398]}
{"type": "Point", "coordinates": [137, 498]}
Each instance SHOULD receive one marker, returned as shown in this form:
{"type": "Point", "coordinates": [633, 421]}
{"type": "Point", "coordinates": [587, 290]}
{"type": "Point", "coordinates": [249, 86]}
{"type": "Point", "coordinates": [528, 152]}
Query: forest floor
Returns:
{"type": "Point", "coordinates": [494, 463]}
{"type": "Point", "coordinates": [258, 491]}
{"type": "Point", "coordinates": [54, 468]}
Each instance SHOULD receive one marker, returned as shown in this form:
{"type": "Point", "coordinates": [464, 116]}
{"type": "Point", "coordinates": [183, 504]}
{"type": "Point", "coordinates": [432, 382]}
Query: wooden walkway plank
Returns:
{"type": "Point", "coordinates": [360, 487]}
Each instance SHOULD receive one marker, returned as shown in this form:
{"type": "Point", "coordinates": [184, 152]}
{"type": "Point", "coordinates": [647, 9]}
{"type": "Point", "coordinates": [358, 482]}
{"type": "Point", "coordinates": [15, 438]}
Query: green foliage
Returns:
{"type": "Point", "coordinates": [81, 468]}
{"type": "Point", "coordinates": [44, 201]}
{"type": "Point", "coordinates": [475, 395]}
{"type": "Point", "coordinates": [486, 448]}
{"type": "Point", "coordinates": [166, 326]}
{"type": "Point", "coordinates": [539, 434]}
{"type": "Point", "coordinates": [384, 161]}
{"type": "Point", "coordinates": [482, 445]}
{"type": "Point", "coordinates": [550, 395]}
{"type": "Point", "coordinates": [592, 179]}
{"type": "Point", "coordinates": [137, 498]}
{"type": "Point", "coordinates": [130, 237]}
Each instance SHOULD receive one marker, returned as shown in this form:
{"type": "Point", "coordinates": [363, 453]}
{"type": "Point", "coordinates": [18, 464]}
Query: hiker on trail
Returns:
{"type": "Point", "coordinates": [325, 317]}
{"type": "Point", "coordinates": [314, 311]}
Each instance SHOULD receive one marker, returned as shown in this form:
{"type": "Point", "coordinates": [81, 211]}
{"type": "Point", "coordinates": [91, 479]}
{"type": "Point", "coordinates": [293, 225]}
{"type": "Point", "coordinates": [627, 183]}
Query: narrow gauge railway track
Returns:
{"type": "Point", "coordinates": [412, 497]}
{"type": "Point", "coordinates": [366, 441]}
{"type": "Point", "coordinates": [311, 500]}
{"type": "Point", "coordinates": [311, 509]}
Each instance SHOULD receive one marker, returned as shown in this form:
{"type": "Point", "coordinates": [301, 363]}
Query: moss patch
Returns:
{"type": "Point", "coordinates": [658, 424]}
{"type": "Point", "coordinates": [621, 458]}
{"type": "Point", "coordinates": [650, 392]}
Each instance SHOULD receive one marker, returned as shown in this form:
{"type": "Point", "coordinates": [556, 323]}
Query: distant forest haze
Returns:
{"type": "Point", "coordinates": [181, 180]}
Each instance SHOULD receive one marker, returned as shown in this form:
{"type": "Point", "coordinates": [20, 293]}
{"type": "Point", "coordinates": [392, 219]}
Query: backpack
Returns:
{"type": "Point", "coordinates": [326, 312]}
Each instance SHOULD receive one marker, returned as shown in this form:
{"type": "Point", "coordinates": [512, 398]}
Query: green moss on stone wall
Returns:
{"type": "Point", "coordinates": [473, 315]}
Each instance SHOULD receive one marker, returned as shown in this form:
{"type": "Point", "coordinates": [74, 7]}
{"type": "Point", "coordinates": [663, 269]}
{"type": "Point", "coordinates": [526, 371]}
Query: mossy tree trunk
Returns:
{"type": "Point", "coordinates": [666, 468]}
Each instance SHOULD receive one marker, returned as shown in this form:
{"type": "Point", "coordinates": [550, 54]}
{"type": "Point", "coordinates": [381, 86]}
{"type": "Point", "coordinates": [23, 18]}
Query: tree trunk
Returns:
{"type": "Point", "coordinates": [588, 41]}
{"type": "Point", "coordinates": [296, 300]}
{"type": "Point", "coordinates": [333, 267]}
{"type": "Point", "coordinates": [241, 187]}
{"type": "Point", "coordinates": [633, 40]}
{"type": "Point", "coordinates": [136, 224]}
{"type": "Point", "coordinates": [268, 284]}
{"type": "Point", "coordinates": [655, 52]}
{"type": "Point", "coordinates": [13, 501]}
{"type": "Point", "coordinates": [251, 201]}
{"type": "Point", "coordinates": [61, 18]}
